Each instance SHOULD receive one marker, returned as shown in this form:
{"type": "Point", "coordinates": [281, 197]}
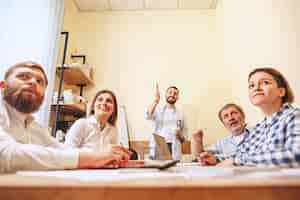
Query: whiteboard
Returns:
{"type": "Point", "coordinates": [122, 126]}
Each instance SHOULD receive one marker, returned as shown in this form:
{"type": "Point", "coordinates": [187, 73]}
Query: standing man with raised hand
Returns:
{"type": "Point", "coordinates": [24, 144]}
{"type": "Point", "coordinates": [168, 121]}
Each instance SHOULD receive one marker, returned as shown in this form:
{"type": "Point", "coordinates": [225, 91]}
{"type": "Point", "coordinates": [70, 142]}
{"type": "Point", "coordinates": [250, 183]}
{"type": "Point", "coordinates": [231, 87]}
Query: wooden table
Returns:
{"type": "Point", "coordinates": [231, 188]}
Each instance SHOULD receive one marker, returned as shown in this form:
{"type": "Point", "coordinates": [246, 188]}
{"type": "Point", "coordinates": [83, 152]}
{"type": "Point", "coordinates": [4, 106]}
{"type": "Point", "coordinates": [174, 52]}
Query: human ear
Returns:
{"type": "Point", "coordinates": [2, 84]}
{"type": "Point", "coordinates": [282, 92]}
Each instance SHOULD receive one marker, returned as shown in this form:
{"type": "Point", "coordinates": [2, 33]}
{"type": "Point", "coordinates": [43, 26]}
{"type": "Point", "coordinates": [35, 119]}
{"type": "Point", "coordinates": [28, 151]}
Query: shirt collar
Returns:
{"type": "Point", "coordinates": [165, 108]}
{"type": "Point", "coordinates": [16, 115]}
{"type": "Point", "coordinates": [243, 134]}
{"type": "Point", "coordinates": [275, 116]}
{"type": "Point", "coordinates": [92, 119]}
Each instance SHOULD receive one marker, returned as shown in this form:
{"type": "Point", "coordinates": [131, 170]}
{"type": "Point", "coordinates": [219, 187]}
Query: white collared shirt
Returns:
{"type": "Point", "coordinates": [86, 134]}
{"type": "Point", "coordinates": [166, 123]}
{"type": "Point", "coordinates": [30, 147]}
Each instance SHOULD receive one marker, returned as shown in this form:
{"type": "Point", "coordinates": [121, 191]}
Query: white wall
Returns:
{"type": "Point", "coordinates": [29, 31]}
{"type": "Point", "coordinates": [260, 33]}
{"type": "Point", "coordinates": [206, 53]}
{"type": "Point", "coordinates": [131, 51]}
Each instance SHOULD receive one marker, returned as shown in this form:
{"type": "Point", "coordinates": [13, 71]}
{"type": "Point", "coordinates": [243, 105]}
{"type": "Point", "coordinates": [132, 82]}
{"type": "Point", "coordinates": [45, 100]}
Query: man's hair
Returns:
{"type": "Point", "coordinates": [280, 80]}
{"type": "Point", "coordinates": [174, 87]}
{"type": "Point", "coordinates": [239, 108]}
{"type": "Point", "coordinates": [25, 64]}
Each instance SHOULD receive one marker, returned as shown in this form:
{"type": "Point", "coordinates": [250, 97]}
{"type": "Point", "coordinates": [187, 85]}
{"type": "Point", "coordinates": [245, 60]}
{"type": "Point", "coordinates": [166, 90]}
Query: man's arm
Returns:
{"type": "Point", "coordinates": [217, 150]}
{"type": "Point", "coordinates": [182, 128]}
{"type": "Point", "coordinates": [152, 107]}
{"type": "Point", "coordinates": [110, 158]}
{"type": "Point", "coordinates": [16, 156]}
{"type": "Point", "coordinates": [197, 142]}
{"type": "Point", "coordinates": [212, 155]}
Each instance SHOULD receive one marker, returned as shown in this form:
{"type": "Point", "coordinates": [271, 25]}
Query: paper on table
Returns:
{"type": "Point", "coordinates": [291, 172]}
{"type": "Point", "coordinates": [103, 175]}
{"type": "Point", "coordinates": [75, 174]}
{"type": "Point", "coordinates": [194, 171]}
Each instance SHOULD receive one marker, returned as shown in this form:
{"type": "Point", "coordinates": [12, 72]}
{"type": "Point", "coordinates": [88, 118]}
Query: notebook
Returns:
{"type": "Point", "coordinates": [157, 164]}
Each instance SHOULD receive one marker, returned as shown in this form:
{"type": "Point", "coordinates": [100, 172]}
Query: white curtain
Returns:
{"type": "Point", "coordinates": [30, 30]}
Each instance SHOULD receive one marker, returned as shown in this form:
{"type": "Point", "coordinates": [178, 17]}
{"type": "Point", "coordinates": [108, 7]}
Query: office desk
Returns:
{"type": "Point", "coordinates": [26, 187]}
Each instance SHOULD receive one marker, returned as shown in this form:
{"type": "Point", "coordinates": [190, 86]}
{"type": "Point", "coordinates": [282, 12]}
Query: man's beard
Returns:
{"type": "Point", "coordinates": [171, 101]}
{"type": "Point", "coordinates": [21, 102]}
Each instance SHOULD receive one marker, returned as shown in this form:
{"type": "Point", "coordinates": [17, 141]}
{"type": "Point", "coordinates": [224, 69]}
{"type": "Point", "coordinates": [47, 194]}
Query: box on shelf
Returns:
{"type": "Point", "coordinates": [68, 97]}
{"type": "Point", "coordinates": [85, 68]}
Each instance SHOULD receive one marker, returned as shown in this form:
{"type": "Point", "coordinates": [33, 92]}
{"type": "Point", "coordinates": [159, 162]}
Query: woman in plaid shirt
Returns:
{"type": "Point", "coordinates": [275, 141]}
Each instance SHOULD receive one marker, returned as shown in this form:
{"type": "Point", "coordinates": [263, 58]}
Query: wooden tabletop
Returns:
{"type": "Point", "coordinates": [31, 187]}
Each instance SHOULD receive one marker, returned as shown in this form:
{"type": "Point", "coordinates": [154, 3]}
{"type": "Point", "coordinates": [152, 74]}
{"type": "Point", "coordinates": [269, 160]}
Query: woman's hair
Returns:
{"type": "Point", "coordinates": [113, 118]}
{"type": "Point", "coordinates": [280, 80]}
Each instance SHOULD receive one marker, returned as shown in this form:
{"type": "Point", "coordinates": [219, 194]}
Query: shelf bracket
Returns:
{"type": "Point", "coordinates": [80, 56]}
{"type": "Point", "coordinates": [81, 88]}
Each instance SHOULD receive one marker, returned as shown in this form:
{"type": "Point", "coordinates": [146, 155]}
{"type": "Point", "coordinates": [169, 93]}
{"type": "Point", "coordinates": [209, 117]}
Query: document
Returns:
{"type": "Point", "coordinates": [103, 174]}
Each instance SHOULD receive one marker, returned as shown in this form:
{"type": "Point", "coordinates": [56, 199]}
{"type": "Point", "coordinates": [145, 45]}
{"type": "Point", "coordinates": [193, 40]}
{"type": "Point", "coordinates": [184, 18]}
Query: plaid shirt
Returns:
{"type": "Point", "coordinates": [273, 142]}
{"type": "Point", "coordinates": [226, 147]}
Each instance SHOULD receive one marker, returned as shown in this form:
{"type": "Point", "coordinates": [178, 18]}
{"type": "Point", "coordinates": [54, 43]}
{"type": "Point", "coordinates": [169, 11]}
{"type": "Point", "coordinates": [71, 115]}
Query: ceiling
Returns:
{"type": "Point", "coordinates": [111, 5]}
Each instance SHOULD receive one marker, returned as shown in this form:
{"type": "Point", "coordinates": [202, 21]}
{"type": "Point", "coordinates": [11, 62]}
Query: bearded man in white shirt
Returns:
{"type": "Point", "coordinates": [24, 144]}
{"type": "Point", "coordinates": [168, 122]}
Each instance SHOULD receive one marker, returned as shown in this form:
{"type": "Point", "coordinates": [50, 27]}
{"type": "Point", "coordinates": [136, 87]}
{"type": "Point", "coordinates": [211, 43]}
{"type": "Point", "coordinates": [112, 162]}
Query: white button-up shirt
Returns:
{"type": "Point", "coordinates": [29, 146]}
{"type": "Point", "coordinates": [166, 123]}
{"type": "Point", "coordinates": [87, 135]}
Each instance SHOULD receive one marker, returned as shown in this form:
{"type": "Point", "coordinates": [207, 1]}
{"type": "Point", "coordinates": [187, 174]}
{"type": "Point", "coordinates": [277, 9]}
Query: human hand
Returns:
{"type": "Point", "coordinates": [93, 160]}
{"type": "Point", "coordinates": [115, 155]}
{"type": "Point", "coordinates": [120, 151]}
{"type": "Point", "coordinates": [110, 158]}
{"type": "Point", "coordinates": [198, 135]}
{"type": "Point", "coordinates": [157, 94]}
{"type": "Point", "coordinates": [179, 137]}
{"type": "Point", "coordinates": [206, 158]}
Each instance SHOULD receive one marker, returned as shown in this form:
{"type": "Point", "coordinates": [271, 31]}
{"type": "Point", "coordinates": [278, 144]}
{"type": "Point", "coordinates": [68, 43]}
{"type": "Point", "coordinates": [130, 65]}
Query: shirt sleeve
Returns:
{"type": "Point", "coordinates": [286, 156]}
{"type": "Point", "coordinates": [152, 117]}
{"type": "Point", "coordinates": [76, 134]}
{"type": "Point", "coordinates": [16, 156]}
{"type": "Point", "coordinates": [184, 127]}
{"type": "Point", "coordinates": [216, 150]}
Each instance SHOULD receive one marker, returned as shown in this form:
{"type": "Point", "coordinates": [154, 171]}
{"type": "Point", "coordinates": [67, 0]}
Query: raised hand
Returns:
{"type": "Point", "coordinates": [180, 137]}
{"type": "Point", "coordinates": [198, 135]}
{"type": "Point", "coordinates": [157, 94]}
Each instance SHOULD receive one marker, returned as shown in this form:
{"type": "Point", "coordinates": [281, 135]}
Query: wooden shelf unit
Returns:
{"type": "Point", "coordinates": [75, 76]}
{"type": "Point", "coordinates": [75, 109]}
